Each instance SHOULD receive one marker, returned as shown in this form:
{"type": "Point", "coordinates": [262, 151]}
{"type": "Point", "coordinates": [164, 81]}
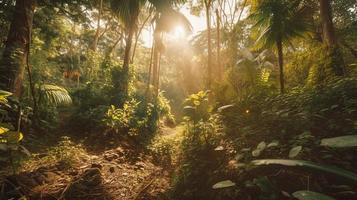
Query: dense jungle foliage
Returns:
{"type": "Point", "coordinates": [178, 99]}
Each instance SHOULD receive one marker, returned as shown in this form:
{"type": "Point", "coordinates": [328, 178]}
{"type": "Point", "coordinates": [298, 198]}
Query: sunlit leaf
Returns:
{"type": "Point", "coordinates": [220, 109]}
{"type": "Point", "coordinates": [342, 141]}
{"type": "Point", "coordinates": [309, 165]}
{"type": "Point", "coordinates": [223, 184]}
{"type": "Point", "coordinates": [295, 151]}
{"type": "Point", "coordinates": [261, 146]}
{"type": "Point", "coordinates": [274, 143]}
{"type": "Point", "coordinates": [309, 195]}
{"type": "Point", "coordinates": [3, 130]}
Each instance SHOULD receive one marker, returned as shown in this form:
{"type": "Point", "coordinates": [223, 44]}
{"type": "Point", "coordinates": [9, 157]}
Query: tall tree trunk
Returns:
{"type": "Point", "coordinates": [13, 64]}
{"type": "Point", "coordinates": [279, 46]}
{"type": "Point", "coordinates": [209, 47]}
{"type": "Point", "coordinates": [219, 65]}
{"type": "Point", "coordinates": [155, 68]}
{"type": "Point", "coordinates": [327, 24]}
{"type": "Point", "coordinates": [329, 37]}
{"type": "Point", "coordinates": [129, 41]}
{"type": "Point", "coordinates": [97, 33]}
{"type": "Point", "coordinates": [150, 72]}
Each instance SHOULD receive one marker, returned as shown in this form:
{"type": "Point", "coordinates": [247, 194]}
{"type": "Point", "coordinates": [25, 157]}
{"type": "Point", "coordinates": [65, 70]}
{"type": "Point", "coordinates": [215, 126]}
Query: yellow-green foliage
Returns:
{"type": "Point", "coordinates": [66, 153]}
{"type": "Point", "coordinates": [166, 146]}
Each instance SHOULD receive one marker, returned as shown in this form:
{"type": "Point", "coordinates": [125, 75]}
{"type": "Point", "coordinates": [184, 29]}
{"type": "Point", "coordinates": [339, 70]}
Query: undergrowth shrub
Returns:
{"type": "Point", "coordinates": [66, 153]}
{"type": "Point", "coordinates": [328, 111]}
{"type": "Point", "coordinates": [137, 118]}
{"type": "Point", "coordinates": [203, 134]}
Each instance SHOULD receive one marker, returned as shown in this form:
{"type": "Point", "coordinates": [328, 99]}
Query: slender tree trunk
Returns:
{"type": "Point", "coordinates": [156, 64]}
{"type": "Point", "coordinates": [12, 66]}
{"type": "Point", "coordinates": [209, 47]}
{"type": "Point", "coordinates": [129, 41]}
{"type": "Point", "coordinates": [112, 48]}
{"type": "Point", "coordinates": [97, 33]}
{"type": "Point", "coordinates": [150, 72]}
{"type": "Point", "coordinates": [219, 65]}
{"type": "Point", "coordinates": [279, 46]}
{"type": "Point", "coordinates": [138, 35]}
{"type": "Point", "coordinates": [241, 11]}
{"type": "Point", "coordinates": [29, 73]}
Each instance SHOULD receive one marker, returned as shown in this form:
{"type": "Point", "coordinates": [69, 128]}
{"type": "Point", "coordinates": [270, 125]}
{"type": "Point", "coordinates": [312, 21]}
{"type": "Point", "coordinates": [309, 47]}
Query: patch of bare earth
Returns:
{"type": "Point", "coordinates": [115, 174]}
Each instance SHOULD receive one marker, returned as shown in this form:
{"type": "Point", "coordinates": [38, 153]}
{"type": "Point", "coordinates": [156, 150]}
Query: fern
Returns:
{"type": "Point", "coordinates": [56, 95]}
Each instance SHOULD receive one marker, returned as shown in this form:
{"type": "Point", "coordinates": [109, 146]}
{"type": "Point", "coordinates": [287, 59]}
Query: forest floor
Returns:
{"type": "Point", "coordinates": [92, 167]}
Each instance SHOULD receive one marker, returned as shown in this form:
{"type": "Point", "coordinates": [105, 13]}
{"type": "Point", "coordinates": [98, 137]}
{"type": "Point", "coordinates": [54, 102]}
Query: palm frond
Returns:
{"type": "Point", "coordinates": [279, 20]}
{"type": "Point", "coordinates": [55, 95]}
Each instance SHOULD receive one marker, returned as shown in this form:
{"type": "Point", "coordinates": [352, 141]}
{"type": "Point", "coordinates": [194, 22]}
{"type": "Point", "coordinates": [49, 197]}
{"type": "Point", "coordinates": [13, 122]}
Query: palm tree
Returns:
{"type": "Point", "coordinates": [279, 21]}
{"type": "Point", "coordinates": [165, 20]}
{"type": "Point", "coordinates": [128, 12]}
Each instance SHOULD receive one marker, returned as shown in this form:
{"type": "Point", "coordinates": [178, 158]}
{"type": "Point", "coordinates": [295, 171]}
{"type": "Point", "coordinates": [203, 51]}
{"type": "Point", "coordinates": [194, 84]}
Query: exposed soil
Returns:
{"type": "Point", "coordinates": [109, 168]}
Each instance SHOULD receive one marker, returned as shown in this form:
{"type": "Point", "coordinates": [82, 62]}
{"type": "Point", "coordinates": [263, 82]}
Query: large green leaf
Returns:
{"type": "Point", "coordinates": [55, 94]}
{"type": "Point", "coordinates": [260, 148]}
{"type": "Point", "coordinates": [295, 151]}
{"type": "Point", "coordinates": [309, 165]}
{"type": "Point", "coordinates": [342, 141]}
{"type": "Point", "coordinates": [309, 195]}
{"type": "Point", "coordinates": [223, 184]}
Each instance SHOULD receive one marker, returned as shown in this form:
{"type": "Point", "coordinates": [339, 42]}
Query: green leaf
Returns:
{"type": "Point", "coordinates": [274, 143]}
{"type": "Point", "coordinates": [309, 195]}
{"type": "Point", "coordinates": [261, 146]}
{"type": "Point", "coordinates": [309, 165]}
{"type": "Point", "coordinates": [339, 142]}
{"type": "Point", "coordinates": [295, 151]}
{"type": "Point", "coordinates": [223, 184]}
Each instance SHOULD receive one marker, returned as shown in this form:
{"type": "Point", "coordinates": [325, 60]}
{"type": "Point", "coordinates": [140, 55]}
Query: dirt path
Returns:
{"type": "Point", "coordinates": [71, 171]}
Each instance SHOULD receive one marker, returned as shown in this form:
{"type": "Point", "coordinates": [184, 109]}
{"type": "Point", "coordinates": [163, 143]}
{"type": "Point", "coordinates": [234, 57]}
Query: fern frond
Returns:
{"type": "Point", "coordinates": [55, 95]}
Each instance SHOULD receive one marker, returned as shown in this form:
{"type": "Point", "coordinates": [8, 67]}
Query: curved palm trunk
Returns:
{"type": "Point", "coordinates": [13, 64]}
{"type": "Point", "coordinates": [137, 35]}
{"type": "Point", "coordinates": [279, 46]}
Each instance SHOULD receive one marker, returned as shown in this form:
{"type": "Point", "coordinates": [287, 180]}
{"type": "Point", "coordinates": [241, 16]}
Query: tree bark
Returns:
{"type": "Point", "coordinates": [327, 23]}
{"type": "Point", "coordinates": [13, 64]}
{"type": "Point", "coordinates": [129, 41]}
{"type": "Point", "coordinates": [209, 47]}
{"type": "Point", "coordinates": [329, 37]}
{"type": "Point", "coordinates": [279, 46]}
{"type": "Point", "coordinates": [155, 68]}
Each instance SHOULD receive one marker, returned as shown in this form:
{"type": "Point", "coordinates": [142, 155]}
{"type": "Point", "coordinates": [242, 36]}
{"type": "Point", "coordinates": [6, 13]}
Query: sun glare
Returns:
{"type": "Point", "coordinates": [178, 32]}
